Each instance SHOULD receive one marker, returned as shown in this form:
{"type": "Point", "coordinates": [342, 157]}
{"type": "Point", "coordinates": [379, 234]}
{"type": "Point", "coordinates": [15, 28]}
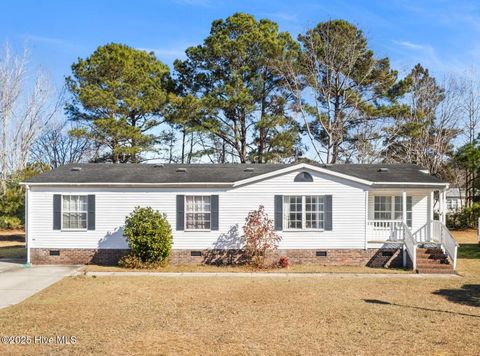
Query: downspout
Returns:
{"type": "Point", "coordinates": [27, 216]}
{"type": "Point", "coordinates": [366, 220]}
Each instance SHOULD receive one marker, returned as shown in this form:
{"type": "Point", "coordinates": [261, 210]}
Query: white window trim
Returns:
{"type": "Point", "coordinates": [304, 213]}
{"type": "Point", "coordinates": [61, 212]}
{"type": "Point", "coordinates": [185, 212]}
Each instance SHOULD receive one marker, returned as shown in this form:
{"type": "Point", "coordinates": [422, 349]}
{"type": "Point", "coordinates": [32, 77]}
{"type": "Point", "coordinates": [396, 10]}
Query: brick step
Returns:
{"type": "Point", "coordinates": [434, 265]}
{"type": "Point", "coordinates": [432, 258]}
{"type": "Point", "coordinates": [430, 251]}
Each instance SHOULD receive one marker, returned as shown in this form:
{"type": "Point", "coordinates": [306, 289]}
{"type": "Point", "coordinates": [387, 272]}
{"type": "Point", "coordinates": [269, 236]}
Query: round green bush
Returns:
{"type": "Point", "coordinates": [149, 235]}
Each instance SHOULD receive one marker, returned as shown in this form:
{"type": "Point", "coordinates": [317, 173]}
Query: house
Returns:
{"type": "Point", "coordinates": [353, 214]}
{"type": "Point", "coordinates": [455, 199]}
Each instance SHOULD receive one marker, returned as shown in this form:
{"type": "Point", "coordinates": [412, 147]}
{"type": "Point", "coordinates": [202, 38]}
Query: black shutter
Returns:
{"type": "Point", "coordinates": [278, 212]}
{"type": "Point", "coordinates": [180, 212]}
{"type": "Point", "coordinates": [328, 213]}
{"type": "Point", "coordinates": [91, 212]}
{"type": "Point", "coordinates": [214, 212]}
{"type": "Point", "coordinates": [57, 212]}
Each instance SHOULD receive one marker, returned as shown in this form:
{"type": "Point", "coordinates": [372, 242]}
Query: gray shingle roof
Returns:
{"type": "Point", "coordinates": [215, 173]}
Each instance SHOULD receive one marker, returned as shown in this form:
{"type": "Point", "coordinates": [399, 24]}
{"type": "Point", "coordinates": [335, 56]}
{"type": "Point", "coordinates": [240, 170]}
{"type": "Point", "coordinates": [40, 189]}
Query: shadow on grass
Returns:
{"type": "Point", "coordinates": [469, 251]}
{"type": "Point", "coordinates": [468, 294]}
{"type": "Point", "coordinates": [384, 302]}
{"type": "Point", "coordinates": [15, 252]}
{"type": "Point", "coordinates": [12, 237]}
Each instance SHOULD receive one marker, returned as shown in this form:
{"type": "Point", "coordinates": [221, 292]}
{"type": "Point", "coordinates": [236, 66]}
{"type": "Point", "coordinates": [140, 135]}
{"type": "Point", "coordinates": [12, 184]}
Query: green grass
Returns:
{"type": "Point", "coordinates": [469, 251]}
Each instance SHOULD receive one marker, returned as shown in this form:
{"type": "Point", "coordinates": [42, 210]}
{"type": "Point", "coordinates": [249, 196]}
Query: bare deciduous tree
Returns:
{"type": "Point", "coordinates": [56, 147]}
{"type": "Point", "coordinates": [12, 73]}
{"type": "Point", "coordinates": [27, 103]}
{"type": "Point", "coordinates": [337, 85]}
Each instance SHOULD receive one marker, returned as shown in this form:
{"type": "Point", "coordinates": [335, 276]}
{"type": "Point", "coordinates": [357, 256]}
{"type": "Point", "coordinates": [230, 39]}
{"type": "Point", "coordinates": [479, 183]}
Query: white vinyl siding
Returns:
{"type": "Point", "coordinates": [113, 204]}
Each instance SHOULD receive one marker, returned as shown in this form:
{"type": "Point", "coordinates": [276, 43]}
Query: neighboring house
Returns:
{"type": "Point", "coordinates": [328, 214]}
{"type": "Point", "coordinates": [455, 198]}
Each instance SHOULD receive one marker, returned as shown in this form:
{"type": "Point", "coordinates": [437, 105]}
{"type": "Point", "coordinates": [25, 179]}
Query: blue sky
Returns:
{"type": "Point", "coordinates": [442, 35]}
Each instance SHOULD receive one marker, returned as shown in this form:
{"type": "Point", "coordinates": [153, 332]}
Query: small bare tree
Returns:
{"type": "Point", "coordinates": [259, 236]}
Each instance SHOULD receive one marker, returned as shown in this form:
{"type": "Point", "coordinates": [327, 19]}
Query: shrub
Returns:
{"type": "Point", "coordinates": [465, 218]}
{"type": "Point", "coordinates": [149, 235]}
{"type": "Point", "coordinates": [259, 236]}
{"type": "Point", "coordinates": [283, 262]}
{"type": "Point", "coordinates": [10, 222]}
{"type": "Point", "coordinates": [134, 262]}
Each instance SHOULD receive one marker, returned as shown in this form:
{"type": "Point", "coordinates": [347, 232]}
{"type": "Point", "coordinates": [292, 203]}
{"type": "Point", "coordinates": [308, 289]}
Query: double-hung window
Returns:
{"type": "Point", "coordinates": [391, 208]}
{"type": "Point", "coordinates": [304, 212]}
{"type": "Point", "coordinates": [74, 212]}
{"type": "Point", "coordinates": [198, 212]}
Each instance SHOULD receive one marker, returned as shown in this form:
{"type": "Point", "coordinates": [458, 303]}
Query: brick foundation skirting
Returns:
{"type": "Point", "coordinates": [346, 257]}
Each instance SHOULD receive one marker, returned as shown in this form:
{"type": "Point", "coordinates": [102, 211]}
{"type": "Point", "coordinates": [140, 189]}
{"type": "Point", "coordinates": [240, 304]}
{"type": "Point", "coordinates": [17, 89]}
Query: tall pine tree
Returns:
{"type": "Point", "coordinates": [118, 95]}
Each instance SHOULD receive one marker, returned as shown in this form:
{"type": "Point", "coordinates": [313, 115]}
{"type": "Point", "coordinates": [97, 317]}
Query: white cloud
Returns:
{"type": "Point", "coordinates": [410, 45]}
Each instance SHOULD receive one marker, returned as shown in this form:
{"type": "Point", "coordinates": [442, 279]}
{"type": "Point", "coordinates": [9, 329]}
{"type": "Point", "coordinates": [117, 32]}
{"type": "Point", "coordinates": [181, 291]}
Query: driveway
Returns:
{"type": "Point", "coordinates": [18, 282]}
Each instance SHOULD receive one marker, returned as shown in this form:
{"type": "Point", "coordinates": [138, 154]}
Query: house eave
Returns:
{"type": "Point", "coordinates": [130, 185]}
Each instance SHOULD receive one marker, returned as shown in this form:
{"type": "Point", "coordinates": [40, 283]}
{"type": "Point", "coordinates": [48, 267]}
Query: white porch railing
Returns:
{"type": "Point", "coordinates": [441, 235]}
{"type": "Point", "coordinates": [384, 230]}
{"type": "Point", "coordinates": [409, 243]}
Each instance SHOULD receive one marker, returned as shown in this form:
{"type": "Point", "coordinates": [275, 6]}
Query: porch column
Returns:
{"type": "Point", "coordinates": [404, 207]}
{"type": "Point", "coordinates": [444, 206]}
{"type": "Point", "coordinates": [430, 216]}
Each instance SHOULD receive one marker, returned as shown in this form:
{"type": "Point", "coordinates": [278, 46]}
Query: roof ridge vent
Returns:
{"type": "Point", "coordinates": [158, 165]}
{"type": "Point", "coordinates": [76, 169]}
{"type": "Point", "coordinates": [383, 169]}
{"type": "Point", "coordinates": [249, 169]}
{"type": "Point", "coordinates": [181, 170]}
{"type": "Point", "coordinates": [426, 171]}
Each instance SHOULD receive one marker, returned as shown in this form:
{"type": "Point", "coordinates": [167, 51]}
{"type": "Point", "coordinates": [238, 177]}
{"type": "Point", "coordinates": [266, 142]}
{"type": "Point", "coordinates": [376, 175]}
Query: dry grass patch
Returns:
{"type": "Point", "coordinates": [331, 315]}
{"type": "Point", "coordinates": [298, 268]}
{"type": "Point", "coordinates": [12, 244]}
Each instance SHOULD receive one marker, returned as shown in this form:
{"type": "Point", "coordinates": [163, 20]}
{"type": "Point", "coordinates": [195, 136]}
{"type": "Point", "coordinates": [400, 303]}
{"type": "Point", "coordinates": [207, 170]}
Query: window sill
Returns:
{"type": "Point", "coordinates": [73, 230]}
{"type": "Point", "coordinates": [197, 230]}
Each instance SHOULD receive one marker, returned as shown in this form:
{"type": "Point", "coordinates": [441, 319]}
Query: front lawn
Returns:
{"type": "Point", "coordinates": [330, 315]}
{"type": "Point", "coordinates": [336, 314]}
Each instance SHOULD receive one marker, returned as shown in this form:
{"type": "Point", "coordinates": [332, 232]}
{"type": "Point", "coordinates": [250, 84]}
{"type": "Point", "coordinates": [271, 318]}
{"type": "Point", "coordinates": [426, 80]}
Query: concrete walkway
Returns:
{"type": "Point", "coordinates": [18, 282]}
{"type": "Point", "coordinates": [269, 275]}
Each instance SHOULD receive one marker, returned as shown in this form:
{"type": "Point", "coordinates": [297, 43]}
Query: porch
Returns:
{"type": "Point", "coordinates": [406, 218]}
